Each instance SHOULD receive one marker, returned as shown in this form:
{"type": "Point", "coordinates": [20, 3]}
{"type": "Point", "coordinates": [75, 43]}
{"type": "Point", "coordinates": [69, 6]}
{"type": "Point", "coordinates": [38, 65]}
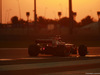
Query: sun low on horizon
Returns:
{"type": "Point", "coordinates": [49, 8]}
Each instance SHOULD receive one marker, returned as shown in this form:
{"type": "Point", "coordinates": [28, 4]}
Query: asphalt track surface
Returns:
{"type": "Point", "coordinates": [18, 62]}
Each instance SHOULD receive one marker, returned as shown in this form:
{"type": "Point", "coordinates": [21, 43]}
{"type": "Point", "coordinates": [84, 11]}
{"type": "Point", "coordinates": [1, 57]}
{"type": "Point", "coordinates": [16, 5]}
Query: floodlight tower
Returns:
{"type": "Point", "coordinates": [98, 13]}
{"type": "Point", "coordinates": [70, 17]}
{"type": "Point", "coordinates": [35, 15]}
{"type": "Point", "coordinates": [1, 11]}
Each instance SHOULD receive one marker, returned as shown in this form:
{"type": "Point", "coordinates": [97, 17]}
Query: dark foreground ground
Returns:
{"type": "Point", "coordinates": [16, 61]}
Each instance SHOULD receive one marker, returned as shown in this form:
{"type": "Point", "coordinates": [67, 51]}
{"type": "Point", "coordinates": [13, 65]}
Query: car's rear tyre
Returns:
{"type": "Point", "coordinates": [33, 50]}
{"type": "Point", "coordinates": [82, 50]}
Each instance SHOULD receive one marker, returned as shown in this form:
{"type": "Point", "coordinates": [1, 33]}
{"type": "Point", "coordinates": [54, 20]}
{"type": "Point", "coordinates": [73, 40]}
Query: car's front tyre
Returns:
{"type": "Point", "coordinates": [82, 50]}
{"type": "Point", "coordinates": [33, 50]}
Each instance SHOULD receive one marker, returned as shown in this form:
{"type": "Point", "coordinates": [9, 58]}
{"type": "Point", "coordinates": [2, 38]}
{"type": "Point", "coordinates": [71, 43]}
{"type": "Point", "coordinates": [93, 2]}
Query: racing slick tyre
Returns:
{"type": "Point", "coordinates": [62, 50]}
{"type": "Point", "coordinates": [33, 50]}
{"type": "Point", "coordinates": [82, 50]}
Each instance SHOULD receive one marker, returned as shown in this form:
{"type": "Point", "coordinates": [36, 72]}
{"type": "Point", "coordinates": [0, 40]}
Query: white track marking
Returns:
{"type": "Point", "coordinates": [95, 71]}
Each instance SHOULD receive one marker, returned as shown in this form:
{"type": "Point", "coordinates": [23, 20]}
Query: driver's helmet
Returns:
{"type": "Point", "coordinates": [58, 37]}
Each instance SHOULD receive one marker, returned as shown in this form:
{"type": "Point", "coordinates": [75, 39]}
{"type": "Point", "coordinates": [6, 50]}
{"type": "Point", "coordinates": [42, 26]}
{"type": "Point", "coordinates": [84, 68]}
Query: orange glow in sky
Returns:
{"type": "Point", "coordinates": [49, 8]}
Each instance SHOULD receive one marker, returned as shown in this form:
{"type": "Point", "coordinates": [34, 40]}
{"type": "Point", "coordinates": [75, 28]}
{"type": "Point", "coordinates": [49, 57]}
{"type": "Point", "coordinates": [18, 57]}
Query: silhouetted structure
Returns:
{"type": "Point", "coordinates": [70, 17]}
{"type": "Point", "coordinates": [98, 13]}
{"type": "Point", "coordinates": [0, 11]}
{"type": "Point", "coordinates": [59, 26]}
{"type": "Point", "coordinates": [19, 9]}
{"type": "Point", "coordinates": [14, 21]}
{"type": "Point", "coordinates": [87, 20]}
{"type": "Point", "coordinates": [74, 15]}
{"type": "Point", "coordinates": [59, 14]}
{"type": "Point", "coordinates": [27, 14]}
{"type": "Point", "coordinates": [35, 15]}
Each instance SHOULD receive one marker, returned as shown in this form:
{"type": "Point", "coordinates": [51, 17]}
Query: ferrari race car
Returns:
{"type": "Point", "coordinates": [55, 47]}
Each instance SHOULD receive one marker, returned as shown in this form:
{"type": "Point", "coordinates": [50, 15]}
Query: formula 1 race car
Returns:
{"type": "Point", "coordinates": [55, 47]}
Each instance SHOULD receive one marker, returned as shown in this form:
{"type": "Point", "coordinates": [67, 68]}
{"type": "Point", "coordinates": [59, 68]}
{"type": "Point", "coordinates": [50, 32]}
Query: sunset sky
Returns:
{"type": "Point", "coordinates": [49, 8]}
